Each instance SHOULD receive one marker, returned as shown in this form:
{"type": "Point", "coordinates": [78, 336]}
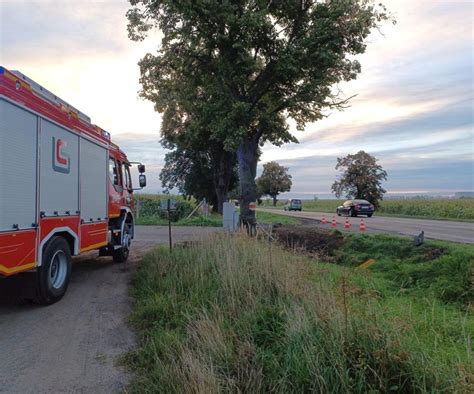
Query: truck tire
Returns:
{"type": "Point", "coordinates": [52, 277]}
{"type": "Point", "coordinates": [121, 255]}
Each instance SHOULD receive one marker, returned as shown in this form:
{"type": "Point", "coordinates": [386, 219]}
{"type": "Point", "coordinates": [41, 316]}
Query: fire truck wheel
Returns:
{"type": "Point", "coordinates": [121, 255]}
{"type": "Point", "coordinates": [54, 273]}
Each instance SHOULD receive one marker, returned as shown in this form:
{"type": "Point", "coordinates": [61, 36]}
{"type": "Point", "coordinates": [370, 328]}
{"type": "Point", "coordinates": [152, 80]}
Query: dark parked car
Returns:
{"type": "Point", "coordinates": [355, 208]}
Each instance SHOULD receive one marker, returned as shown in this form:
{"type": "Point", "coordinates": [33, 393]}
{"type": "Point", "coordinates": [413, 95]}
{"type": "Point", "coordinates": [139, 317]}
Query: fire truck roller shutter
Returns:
{"type": "Point", "coordinates": [18, 163]}
{"type": "Point", "coordinates": [59, 170]}
{"type": "Point", "coordinates": [93, 163]}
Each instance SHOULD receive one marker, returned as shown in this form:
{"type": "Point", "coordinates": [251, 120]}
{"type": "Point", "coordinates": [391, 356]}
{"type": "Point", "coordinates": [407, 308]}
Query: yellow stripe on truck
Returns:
{"type": "Point", "coordinates": [13, 270]}
{"type": "Point", "coordinates": [95, 246]}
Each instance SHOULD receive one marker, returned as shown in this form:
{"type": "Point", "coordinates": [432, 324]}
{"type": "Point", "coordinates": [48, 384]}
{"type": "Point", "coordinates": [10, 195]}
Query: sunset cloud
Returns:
{"type": "Point", "coordinates": [413, 109]}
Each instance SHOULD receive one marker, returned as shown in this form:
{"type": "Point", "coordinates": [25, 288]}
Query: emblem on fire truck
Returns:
{"type": "Point", "coordinates": [61, 160]}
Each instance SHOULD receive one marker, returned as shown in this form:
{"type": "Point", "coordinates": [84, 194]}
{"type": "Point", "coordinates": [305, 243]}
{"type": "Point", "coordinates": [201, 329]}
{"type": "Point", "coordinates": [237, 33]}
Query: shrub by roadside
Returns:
{"type": "Point", "coordinates": [235, 314]}
{"type": "Point", "coordinates": [150, 211]}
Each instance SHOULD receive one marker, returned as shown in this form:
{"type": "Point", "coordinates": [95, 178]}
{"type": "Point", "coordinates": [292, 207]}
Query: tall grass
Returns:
{"type": "Point", "coordinates": [230, 314]}
{"type": "Point", "coordinates": [440, 270]}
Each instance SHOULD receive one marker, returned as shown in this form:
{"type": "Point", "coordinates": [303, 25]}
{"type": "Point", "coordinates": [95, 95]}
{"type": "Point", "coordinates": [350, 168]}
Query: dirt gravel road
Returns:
{"type": "Point", "coordinates": [434, 229]}
{"type": "Point", "coordinates": [72, 346]}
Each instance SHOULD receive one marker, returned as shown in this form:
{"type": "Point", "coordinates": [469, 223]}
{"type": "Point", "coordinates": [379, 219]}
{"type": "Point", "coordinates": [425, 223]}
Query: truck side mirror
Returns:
{"type": "Point", "coordinates": [142, 180]}
{"type": "Point", "coordinates": [141, 168]}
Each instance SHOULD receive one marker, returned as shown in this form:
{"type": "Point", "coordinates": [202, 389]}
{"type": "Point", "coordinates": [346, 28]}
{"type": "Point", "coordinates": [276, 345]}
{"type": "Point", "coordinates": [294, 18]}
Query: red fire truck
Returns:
{"type": "Point", "coordinates": [65, 188]}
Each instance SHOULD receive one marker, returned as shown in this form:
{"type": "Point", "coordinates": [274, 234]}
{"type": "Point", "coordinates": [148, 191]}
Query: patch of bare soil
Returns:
{"type": "Point", "coordinates": [432, 253]}
{"type": "Point", "coordinates": [310, 240]}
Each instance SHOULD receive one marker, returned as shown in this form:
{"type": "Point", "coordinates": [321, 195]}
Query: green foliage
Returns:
{"type": "Point", "coordinates": [434, 208]}
{"type": "Point", "coordinates": [150, 211]}
{"type": "Point", "coordinates": [361, 179]}
{"type": "Point", "coordinates": [231, 314]}
{"type": "Point", "coordinates": [274, 180]}
{"type": "Point", "coordinates": [233, 72]}
{"type": "Point", "coordinates": [432, 270]}
{"type": "Point", "coordinates": [190, 173]}
{"type": "Point", "coordinates": [199, 173]}
{"type": "Point", "coordinates": [274, 218]}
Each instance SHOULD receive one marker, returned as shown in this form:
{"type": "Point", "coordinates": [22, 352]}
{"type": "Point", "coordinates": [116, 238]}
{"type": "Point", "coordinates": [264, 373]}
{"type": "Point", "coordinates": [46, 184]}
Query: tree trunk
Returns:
{"type": "Point", "coordinates": [247, 156]}
{"type": "Point", "coordinates": [215, 204]}
{"type": "Point", "coordinates": [222, 178]}
{"type": "Point", "coordinates": [274, 200]}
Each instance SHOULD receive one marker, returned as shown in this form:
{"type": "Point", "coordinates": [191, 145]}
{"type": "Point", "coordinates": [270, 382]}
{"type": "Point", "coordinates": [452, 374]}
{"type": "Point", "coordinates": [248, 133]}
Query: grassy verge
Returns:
{"type": "Point", "coordinates": [275, 218]}
{"type": "Point", "coordinates": [211, 220]}
{"type": "Point", "coordinates": [436, 270]}
{"type": "Point", "coordinates": [237, 314]}
{"type": "Point", "coordinates": [215, 220]}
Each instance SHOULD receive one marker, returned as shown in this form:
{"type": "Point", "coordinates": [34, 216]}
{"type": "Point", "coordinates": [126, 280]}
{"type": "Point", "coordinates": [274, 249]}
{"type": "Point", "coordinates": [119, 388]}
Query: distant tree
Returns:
{"type": "Point", "coordinates": [274, 180]}
{"type": "Point", "coordinates": [361, 179]}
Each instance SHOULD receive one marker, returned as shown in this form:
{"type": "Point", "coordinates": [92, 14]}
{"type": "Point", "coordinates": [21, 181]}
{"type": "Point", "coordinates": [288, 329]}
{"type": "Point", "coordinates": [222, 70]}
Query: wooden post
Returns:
{"type": "Point", "coordinates": [169, 224]}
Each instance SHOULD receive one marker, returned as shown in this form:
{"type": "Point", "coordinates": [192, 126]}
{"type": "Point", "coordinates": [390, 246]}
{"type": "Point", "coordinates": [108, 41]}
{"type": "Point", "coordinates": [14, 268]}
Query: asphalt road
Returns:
{"type": "Point", "coordinates": [434, 229]}
{"type": "Point", "coordinates": [73, 345]}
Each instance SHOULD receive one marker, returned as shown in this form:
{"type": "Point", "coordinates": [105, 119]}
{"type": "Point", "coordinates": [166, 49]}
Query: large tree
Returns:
{"type": "Point", "coordinates": [241, 68]}
{"type": "Point", "coordinates": [197, 173]}
{"type": "Point", "coordinates": [361, 178]}
{"type": "Point", "coordinates": [274, 180]}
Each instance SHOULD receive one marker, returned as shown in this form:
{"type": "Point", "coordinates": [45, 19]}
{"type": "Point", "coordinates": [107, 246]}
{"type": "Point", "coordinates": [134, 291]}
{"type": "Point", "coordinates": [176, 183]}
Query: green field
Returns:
{"type": "Point", "coordinates": [232, 314]}
{"type": "Point", "coordinates": [457, 209]}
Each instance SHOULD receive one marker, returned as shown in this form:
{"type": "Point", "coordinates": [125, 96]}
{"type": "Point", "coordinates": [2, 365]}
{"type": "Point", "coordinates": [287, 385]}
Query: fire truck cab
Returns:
{"type": "Point", "coordinates": [65, 188]}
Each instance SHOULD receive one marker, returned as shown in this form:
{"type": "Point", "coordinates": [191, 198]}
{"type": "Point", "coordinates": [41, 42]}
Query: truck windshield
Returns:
{"type": "Point", "coordinates": [113, 173]}
{"type": "Point", "coordinates": [126, 175]}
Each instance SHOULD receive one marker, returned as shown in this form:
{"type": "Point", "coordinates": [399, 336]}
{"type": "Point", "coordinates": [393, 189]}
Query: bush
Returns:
{"type": "Point", "coordinates": [150, 207]}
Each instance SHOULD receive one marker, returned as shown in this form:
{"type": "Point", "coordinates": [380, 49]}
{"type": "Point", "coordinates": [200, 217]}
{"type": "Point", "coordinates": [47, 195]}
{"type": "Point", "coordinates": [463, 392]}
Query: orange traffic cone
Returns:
{"type": "Point", "coordinates": [347, 224]}
{"type": "Point", "coordinates": [334, 222]}
{"type": "Point", "coordinates": [362, 226]}
{"type": "Point", "coordinates": [323, 220]}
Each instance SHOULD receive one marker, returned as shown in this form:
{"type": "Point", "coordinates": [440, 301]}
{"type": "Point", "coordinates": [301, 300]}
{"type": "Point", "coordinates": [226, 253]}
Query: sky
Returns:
{"type": "Point", "coordinates": [414, 108]}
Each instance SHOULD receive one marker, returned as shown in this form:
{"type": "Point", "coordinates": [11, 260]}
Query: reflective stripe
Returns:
{"type": "Point", "coordinates": [95, 246]}
{"type": "Point", "coordinates": [13, 270]}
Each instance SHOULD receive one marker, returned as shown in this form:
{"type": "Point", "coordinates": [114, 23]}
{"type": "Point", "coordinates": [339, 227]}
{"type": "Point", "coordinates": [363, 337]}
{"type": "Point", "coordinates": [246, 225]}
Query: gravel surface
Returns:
{"type": "Point", "coordinates": [73, 345]}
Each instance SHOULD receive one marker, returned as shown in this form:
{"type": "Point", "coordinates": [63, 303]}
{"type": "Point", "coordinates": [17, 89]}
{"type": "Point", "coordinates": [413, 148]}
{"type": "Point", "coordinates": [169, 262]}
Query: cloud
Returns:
{"type": "Point", "coordinates": [34, 30]}
{"type": "Point", "coordinates": [315, 175]}
{"type": "Point", "coordinates": [413, 110]}
{"type": "Point", "coordinates": [144, 148]}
